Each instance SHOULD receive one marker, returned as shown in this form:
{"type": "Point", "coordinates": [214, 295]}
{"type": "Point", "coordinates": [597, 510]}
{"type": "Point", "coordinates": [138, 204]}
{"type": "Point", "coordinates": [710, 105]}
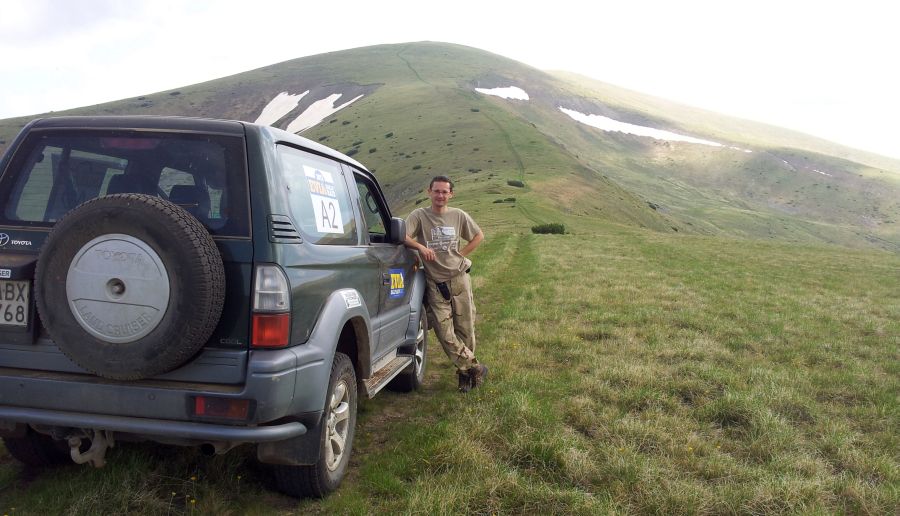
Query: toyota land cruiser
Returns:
{"type": "Point", "coordinates": [201, 283]}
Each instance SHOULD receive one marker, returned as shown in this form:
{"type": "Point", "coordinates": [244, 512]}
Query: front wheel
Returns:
{"type": "Point", "coordinates": [338, 429]}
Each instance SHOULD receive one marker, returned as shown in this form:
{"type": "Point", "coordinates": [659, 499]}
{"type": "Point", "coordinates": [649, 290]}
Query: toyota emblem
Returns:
{"type": "Point", "coordinates": [4, 239]}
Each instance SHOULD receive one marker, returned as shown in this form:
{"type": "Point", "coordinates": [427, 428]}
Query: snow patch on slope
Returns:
{"type": "Point", "coordinates": [282, 104]}
{"type": "Point", "coordinates": [608, 124]}
{"type": "Point", "coordinates": [316, 112]}
{"type": "Point", "coordinates": [511, 92]}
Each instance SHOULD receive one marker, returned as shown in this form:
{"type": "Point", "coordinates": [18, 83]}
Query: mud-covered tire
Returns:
{"type": "Point", "coordinates": [37, 450]}
{"type": "Point", "coordinates": [338, 427]}
{"type": "Point", "coordinates": [414, 375]}
{"type": "Point", "coordinates": [129, 286]}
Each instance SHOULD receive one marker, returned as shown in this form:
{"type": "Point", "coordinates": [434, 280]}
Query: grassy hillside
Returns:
{"type": "Point", "coordinates": [632, 371]}
{"type": "Point", "coordinates": [418, 118]}
{"type": "Point", "coordinates": [420, 115]}
{"type": "Point", "coordinates": [716, 125]}
{"type": "Point", "coordinates": [433, 126]}
{"type": "Point", "coordinates": [790, 187]}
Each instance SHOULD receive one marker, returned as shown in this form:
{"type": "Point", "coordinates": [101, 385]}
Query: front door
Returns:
{"type": "Point", "coordinates": [396, 268]}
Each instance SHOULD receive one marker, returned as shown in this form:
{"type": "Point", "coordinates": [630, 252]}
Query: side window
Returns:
{"type": "Point", "coordinates": [318, 197]}
{"type": "Point", "coordinates": [374, 214]}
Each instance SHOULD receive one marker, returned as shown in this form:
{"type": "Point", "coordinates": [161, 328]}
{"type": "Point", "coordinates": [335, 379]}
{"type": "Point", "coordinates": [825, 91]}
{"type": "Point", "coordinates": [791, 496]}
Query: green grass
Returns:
{"type": "Point", "coordinates": [631, 371]}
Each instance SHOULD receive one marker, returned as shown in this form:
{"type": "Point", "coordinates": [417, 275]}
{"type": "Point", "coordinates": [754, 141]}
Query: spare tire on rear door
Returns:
{"type": "Point", "coordinates": [129, 286]}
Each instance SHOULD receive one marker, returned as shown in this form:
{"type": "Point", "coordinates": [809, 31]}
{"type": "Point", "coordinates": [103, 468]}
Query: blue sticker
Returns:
{"type": "Point", "coordinates": [397, 285]}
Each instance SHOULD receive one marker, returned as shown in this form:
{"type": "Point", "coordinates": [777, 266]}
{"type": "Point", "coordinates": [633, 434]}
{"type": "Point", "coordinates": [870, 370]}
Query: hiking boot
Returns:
{"type": "Point", "coordinates": [465, 381]}
{"type": "Point", "coordinates": [478, 373]}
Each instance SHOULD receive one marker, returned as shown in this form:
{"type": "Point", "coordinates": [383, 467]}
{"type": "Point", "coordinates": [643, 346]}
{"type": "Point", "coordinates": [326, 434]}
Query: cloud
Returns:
{"type": "Point", "coordinates": [26, 22]}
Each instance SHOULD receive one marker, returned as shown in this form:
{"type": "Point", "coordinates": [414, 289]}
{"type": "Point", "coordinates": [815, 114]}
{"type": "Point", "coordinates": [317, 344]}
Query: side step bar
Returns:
{"type": "Point", "coordinates": [387, 373]}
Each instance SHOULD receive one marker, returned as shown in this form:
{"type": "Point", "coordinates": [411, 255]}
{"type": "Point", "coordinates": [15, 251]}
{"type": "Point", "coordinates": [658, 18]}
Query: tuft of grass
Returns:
{"type": "Point", "coordinates": [551, 228]}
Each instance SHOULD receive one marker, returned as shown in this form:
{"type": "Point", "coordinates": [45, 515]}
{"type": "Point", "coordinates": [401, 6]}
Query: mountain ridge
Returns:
{"type": "Point", "coordinates": [411, 110]}
{"type": "Point", "coordinates": [800, 139]}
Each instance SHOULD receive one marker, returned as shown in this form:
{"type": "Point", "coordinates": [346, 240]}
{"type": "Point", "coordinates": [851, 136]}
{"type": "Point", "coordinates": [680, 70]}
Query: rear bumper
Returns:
{"type": "Point", "coordinates": [281, 385]}
{"type": "Point", "coordinates": [154, 427]}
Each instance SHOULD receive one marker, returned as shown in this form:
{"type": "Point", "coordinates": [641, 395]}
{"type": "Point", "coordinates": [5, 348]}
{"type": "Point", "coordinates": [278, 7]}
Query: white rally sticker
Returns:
{"type": "Point", "coordinates": [351, 298]}
{"type": "Point", "coordinates": [326, 205]}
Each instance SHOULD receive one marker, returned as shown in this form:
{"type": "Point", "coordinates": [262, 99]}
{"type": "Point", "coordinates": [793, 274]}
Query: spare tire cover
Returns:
{"type": "Point", "coordinates": [129, 286]}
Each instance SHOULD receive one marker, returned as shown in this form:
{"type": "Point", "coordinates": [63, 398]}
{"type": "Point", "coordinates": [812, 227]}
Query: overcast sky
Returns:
{"type": "Point", "coordinates": [825, 68]}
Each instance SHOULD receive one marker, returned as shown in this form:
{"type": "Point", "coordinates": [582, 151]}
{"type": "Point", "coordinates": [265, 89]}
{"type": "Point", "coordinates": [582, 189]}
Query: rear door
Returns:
{"type": "Point", "coordinates": [320, 206]}
{"type": "Point", "coordinates": [53, 171]}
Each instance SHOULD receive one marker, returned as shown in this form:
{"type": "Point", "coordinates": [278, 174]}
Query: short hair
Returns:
{"type": "Point", "coordinates": [440, 179]}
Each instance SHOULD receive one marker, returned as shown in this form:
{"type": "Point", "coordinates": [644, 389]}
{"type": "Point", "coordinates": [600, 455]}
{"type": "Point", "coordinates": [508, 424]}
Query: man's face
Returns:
{"type": "Point", "coordinates": [440, 194]}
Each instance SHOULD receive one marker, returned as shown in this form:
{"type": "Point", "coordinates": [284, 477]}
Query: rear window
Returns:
{"type": "Point", "coordinates": [53, 172]}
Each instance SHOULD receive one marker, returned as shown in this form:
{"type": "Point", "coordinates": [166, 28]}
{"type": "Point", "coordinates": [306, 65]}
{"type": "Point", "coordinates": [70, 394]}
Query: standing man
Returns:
{"type": "Point", "coordinates": [435, 233]}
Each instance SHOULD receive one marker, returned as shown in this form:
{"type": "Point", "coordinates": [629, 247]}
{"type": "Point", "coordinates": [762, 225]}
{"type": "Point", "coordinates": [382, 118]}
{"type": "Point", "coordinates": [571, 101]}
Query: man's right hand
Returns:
{"type": "Point", "coordinates": [428, 254]}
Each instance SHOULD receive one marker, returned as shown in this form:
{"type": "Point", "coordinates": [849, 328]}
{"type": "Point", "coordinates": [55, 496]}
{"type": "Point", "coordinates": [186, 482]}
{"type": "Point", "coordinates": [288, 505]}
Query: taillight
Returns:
{"type": "Point", "coordinates": [271, 308]}
{"type": "Point", "coordinates": [271, 330]}
{"type": "Point", "coordinates": [227, 408]}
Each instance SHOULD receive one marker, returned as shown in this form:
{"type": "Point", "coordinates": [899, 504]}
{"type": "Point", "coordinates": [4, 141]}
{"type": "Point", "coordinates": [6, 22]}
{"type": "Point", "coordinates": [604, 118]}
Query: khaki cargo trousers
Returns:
{"type": "Point", "coordinates": [453, 320]}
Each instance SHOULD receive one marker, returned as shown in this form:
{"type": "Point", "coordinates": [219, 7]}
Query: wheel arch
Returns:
{"type": "Point", "coordinates": [343, 326]}
{"type": "Point", "coordinates": [416, 309]}
{"type": "Point", "coordinates": [355, 342]}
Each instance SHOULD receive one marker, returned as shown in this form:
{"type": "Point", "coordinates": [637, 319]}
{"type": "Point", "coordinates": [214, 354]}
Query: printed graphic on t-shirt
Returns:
{"type": "Point", "coordinates": [443, 239]}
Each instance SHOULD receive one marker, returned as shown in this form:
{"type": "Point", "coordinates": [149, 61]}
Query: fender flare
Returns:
{"type": "Point", "coordinates": [314, 359]}
{"type": "Point", "coordinates": [340, 308]}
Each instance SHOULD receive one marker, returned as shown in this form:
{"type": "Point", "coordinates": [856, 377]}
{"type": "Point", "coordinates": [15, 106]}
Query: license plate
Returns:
{"type": "Point", "coordinates": [14, 303]}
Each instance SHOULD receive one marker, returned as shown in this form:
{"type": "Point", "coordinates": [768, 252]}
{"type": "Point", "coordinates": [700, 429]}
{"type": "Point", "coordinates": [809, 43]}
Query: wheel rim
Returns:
{"type": "Point", "coordinates": [337, 425]}
{"type": "Point", "coordinates": [420, 348]}
{"type": "Point", "coordinates": [117, 288]}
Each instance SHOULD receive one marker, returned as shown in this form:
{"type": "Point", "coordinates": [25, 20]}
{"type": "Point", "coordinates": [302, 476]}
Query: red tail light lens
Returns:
{"type": "Point", "coordinates": [271, 330]}
{"type": "Point", "coordinates": [227, 408]}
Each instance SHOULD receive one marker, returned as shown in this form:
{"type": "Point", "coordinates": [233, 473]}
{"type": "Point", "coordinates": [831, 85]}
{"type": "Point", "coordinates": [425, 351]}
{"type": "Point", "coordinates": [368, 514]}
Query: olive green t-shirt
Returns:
{"type": "Point", "coordinates": [441, 233]}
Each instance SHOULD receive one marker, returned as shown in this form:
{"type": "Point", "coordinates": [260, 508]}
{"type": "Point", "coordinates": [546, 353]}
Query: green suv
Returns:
{"type": "Point", "coordinates": [202, 283]}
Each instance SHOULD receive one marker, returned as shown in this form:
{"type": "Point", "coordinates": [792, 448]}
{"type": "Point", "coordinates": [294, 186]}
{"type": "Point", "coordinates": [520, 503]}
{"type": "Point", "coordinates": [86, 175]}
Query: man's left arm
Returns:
{"type": "Point", "coordinates": [473, 244]}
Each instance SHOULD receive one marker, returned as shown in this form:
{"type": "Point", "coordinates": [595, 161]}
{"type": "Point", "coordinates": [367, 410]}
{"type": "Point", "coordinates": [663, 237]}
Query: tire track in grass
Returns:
{"type": "Point", "coordinates": [521, 207]}
{"type": "Point", "coordinates": [408, 65]}
{"type": "Point", "coordinates": [509, 144]}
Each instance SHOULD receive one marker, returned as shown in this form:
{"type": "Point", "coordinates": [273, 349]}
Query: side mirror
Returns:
{"type": "Point", "coordinates": [398, 230]}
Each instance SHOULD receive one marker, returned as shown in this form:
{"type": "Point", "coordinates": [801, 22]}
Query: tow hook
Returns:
{"type": "Point", "coordinates": [96, 454]}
